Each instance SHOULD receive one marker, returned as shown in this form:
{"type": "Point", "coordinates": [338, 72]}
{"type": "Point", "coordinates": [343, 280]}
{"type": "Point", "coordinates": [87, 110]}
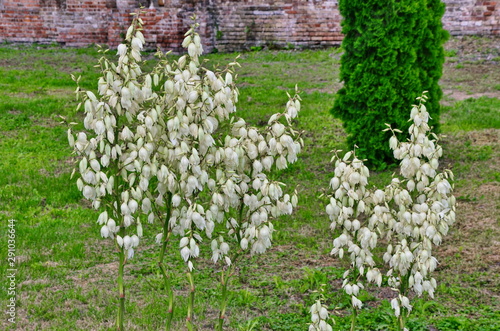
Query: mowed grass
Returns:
{"type": "Point", "coordinates": [66, 273]}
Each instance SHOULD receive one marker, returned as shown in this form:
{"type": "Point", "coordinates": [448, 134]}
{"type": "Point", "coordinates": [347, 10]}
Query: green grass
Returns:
{"type": "Point", "coordinates": [66, 272]}
{"type": "Point", "coordinates": [472, 114]}
{"type": "Point", "coordinates": [451, 53]}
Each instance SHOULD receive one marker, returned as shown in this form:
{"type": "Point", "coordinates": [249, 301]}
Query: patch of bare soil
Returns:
{"type": "Point", "coordinates": [95, 274]}
{"type": "Point", "coordinates": [65, 166]}
{"type": "Point", "coordinates": [475, 238]}
{"type": "Point", "coordinates": [473, 248]}
{"type": "Point", "coordinates": [458, 95]}
{"type": "Point", "coordinates": [472, 68]}
{"type": "Point", "coordinates": [481, 214]}
{"type": "Point", "coordinates": [44, 122]}
{"type": "Point", "coordinates": [462, 81]}
{"type": "Point", "coordinates": [484, 137]}
{"type": "Point", "coordinates": [473, 48]}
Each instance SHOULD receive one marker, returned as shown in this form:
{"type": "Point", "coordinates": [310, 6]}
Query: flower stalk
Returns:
{"type": "Point", "coordinates": [109, 148]}
{"type": "Point", "coordinates": [161, 264]}
{"type": "Point", "coordinates": [224, 298]}
{"type": "Point", "coordinates": [412, 214]}
{"type": "Point", "coordinates": [190, 312]}
{"type": "Point", "coordinates": [353, 318]}
{"type": "Point", "coordinates": [121, 289]}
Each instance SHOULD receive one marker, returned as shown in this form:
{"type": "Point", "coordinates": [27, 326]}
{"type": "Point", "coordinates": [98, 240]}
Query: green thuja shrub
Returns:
{"type": "Point", "coordinates": [393, 52]}
{"type": "Point", "coordinates": [430, 58]}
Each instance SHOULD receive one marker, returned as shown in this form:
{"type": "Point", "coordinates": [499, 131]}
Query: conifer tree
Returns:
{"type": "Point", "coordinates": [430, 58]}
{"type": "Point", "coordinates": [393, 52]}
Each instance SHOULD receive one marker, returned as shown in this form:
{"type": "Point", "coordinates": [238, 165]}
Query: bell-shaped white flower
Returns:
{"type": "Point", "coordinates": [105, 231]}
{"type": "Point", "coordinates": [122, 49]}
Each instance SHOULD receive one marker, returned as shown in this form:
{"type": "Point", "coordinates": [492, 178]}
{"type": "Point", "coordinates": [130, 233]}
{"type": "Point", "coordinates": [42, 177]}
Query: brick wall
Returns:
{"type": "Point", "coordinates": [228, 25]}
{"type": "Point", "coordinates": [471, 17]}
{"type": "Point", "coordinates": [241, 24]}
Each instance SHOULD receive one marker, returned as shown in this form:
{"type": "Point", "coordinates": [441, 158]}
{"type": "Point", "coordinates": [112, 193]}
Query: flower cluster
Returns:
{"type": "Point", "coordinates": [207, 162]}
{"type": "Point", "coordinates": [246, 157]}
{"type": "Point", "coordinates": [350, 210]}
{"type": "Point", "coordinates": [420, 211]}
{"type": "Point", "coordinates": [192, 102]}
{"type": "Point", "coordinates": [113, 150]}
{"type": "Point", "coordinates": [167, 147]}
{"type": "Point", "coordinates": [319, 317]}
{"type": "Point", "coordinates": [411, 214]}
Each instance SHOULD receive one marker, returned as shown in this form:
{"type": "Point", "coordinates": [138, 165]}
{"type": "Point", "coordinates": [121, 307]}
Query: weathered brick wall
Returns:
{"type": "Point", "coordinates": [472, 17]}
{"type": "Point", "coordinates": [241, 24]}
{"type": "Point", "coordinates": [227, 25]}
{"type": "Point", "coordinates": [79, 23]}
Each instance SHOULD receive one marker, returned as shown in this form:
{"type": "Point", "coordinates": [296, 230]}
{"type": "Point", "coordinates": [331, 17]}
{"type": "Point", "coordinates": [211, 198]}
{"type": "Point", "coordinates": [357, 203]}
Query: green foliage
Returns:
{"type": "Point", "coordinates": [218, 35]}
{"type": "Point", "coordinates": [256, 48]}
{"type": "Point", "coordinates": [285, 321]}
{"type": "Point", "coordinates": [450, 53]}
{"type": "Point", "coordinates": [393, 52]}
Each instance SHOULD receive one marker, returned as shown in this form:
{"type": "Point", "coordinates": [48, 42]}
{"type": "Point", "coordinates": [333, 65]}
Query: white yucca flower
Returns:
{"type": "Point", "coordinates": [319, 317]}
{"type": "Point", "coordinates": [348, 210]}
{"type": "Point", "coordinates": [420, 222]}
{"type": "Point", "coordinates": [190, 157]}
{"type": "Point", "coordinates": [411, 214]}
{"type": "Point", "coordinates": [158, 143]}
{"type": "Point", "coordinates": [122, 50]}
{"type": "Point", "coordinates": [102, 152]}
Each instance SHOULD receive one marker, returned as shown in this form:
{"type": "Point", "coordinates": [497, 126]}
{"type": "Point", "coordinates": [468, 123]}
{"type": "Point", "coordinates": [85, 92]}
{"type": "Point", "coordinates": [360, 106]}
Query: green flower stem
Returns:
{"type": "Point", "coordinates": [189, 318]}
{"type": "Point", "coordinates": [224, 298]}
{"type": "Point", "coordinates": [161, 264]}
{"type": "Point", "coordinates": [121, 289]}
{"type": "Point", "coordinates": [166, 231]}
{"type": "Point", "coordinates": [400, 323]}
{"type": "Point", "coordinates": [353, 318]}
{"type": "Point", "coordinates": [402, 319]}
{"type": "Point", "coordinates": [240, 214]}
{"type": "Point", "coordinates": [226, 274]}
{"type": "Point", "coordinates": [170, 292]}
{"type": "Point", "coordinates": [354, 310]}
{"type": "Point", "coordinates": [404, 289]}
{"type": "Point", "coordinates": [122, 258]}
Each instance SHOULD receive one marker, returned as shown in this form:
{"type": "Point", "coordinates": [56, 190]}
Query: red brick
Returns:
{"type": "Point", "coordinates": [314, 22]}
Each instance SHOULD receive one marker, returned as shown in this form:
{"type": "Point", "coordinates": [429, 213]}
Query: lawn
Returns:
{"type": "Point", "coordinates": [66, 273]}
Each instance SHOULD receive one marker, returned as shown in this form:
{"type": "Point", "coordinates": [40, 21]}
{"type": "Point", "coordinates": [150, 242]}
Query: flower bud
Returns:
{"type": "Point", "coordinates": [130, 253]}
{"type": "Point", "coordinates": [184, 242]}
{"type": "Point", "coordinates": [132, 205]}
{"type": "Point", "coordinates": [159, 238]}
{"type": "Point", "coordinates": [112, 226]}
{"type": "Point", "coordinates": [125, 209]}
{"type": "Point", "coordinates": [192, 51]}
